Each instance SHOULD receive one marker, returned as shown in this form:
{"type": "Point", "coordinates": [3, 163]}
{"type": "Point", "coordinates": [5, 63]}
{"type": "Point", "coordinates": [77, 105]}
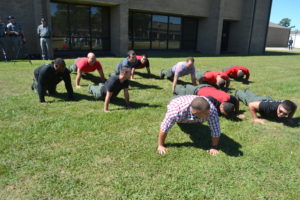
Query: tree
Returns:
{"type": "Point", "coordinates": [286, 22]}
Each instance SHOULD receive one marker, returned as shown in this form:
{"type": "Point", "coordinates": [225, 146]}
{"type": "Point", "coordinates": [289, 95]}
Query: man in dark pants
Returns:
{"type": "Point", "coordinates": [44, 32]}
{"type": "Point", "coordinates": [46, 77]}
{"type": "Point", "coordinates": [3, 43]}
{"type": "Point", "coordinates": [226, 104]}
{"type": "Point", "coordinates": [266, 106]}
{"type": "Point", "coordinates": [112, 87]}
{"type": "Point", "coordinates": [16, 35]}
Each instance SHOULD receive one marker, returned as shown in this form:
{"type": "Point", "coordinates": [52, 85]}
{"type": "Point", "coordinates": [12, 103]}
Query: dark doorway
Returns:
{"type": "Point", "coordinates": [189, 33]}
{"type": "Point", "coordinates": [225, 36]}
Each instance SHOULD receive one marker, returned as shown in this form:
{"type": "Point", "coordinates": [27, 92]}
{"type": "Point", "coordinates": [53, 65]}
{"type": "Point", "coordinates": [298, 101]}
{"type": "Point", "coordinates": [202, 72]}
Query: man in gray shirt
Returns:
{"type": "Point", "coordinates": [16, 35]}
{"type": "Point", "coordinates": [3, 43]}
{"type": "Point", "coordinates": [44, 32]}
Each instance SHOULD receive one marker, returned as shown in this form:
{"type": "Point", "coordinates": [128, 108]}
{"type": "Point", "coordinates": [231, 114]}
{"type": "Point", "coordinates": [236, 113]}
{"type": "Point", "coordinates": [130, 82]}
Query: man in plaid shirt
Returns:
{"type": "Point", "coordinates": [190, 109]}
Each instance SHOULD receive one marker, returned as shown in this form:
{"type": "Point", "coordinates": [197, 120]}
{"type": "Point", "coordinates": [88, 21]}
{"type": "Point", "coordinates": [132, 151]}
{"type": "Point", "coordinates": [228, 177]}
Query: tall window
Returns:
{"type": "Point", "coordinates": [80, 27]}
{"type": "Point", "coordinates": [151, 31]}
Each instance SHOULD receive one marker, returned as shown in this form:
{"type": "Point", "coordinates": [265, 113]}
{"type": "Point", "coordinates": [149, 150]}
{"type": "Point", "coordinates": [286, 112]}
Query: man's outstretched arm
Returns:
{"type": "Point", "coordinates": [102, 76]}
{"type": "Point", "coordinates": [126, 97]}
{"type": "Point", "coordinates": [132, 73]}
{"type": "Point", "coordinates": [193, 77]}
{"type": "Point", "coordinates": [254, 108]}
{"type": "Point", "coordinates": [107, 100]}
{"type": "Point", "coordinates": [161, 149]}
{"type": "Point", "coordinates": [78, 77]}
{"type": "Point", "coordinates": [175, 79]}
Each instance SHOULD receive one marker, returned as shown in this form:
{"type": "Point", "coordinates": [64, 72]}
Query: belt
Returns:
{"type": "Point", "coordinates": [45, 37]}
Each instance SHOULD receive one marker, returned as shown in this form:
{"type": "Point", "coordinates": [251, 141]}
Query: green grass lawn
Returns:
{"type": "Point", "coordinates": [73, 150]}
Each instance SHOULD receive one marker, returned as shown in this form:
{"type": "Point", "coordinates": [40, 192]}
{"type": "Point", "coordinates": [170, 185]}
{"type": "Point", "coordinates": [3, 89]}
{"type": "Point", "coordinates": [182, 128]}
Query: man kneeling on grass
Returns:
{"type": "Point", "coordinates": [190, 109]}
{"type": "Point", "coordinates": [112, 87]}
{"type": "Point", "coordinates": [46, 77]}
{"type": "Point", "coordinates": [266, 106]}
{"type": "Point", "coordinates": [225, 103]}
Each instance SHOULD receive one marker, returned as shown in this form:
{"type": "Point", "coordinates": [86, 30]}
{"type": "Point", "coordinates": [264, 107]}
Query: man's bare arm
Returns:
{"type": "Point", "coordinates": [174, 82]}
{"type": "Point", "coordinates": [161, 142]}
{"type": "Point", "coordinates": [102, 76]}
{"type": "Point", "coordinates": [107, 100]}
{"type": "Point", "coordinates": [126, 96]}
{"type": "Point", "coordinates": [253, 108]}
{"type": "Point", "coordinates": [193, 77]}
{"type": "Point", "coordinates": [78, 77]}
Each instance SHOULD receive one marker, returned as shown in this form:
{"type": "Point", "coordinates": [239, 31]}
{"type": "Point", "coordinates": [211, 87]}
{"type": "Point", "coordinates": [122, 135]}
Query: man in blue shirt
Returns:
{"type": "Point", "coordinates": [129, 62]}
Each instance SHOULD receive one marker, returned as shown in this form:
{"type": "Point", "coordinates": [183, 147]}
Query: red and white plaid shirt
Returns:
{"type": "Point", "coordinates": [179, 111]}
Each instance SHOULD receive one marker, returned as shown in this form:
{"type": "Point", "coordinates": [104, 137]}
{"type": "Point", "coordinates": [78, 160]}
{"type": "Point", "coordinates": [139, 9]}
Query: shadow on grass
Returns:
{"type": "Point", "coordinates": [146, 75]}
{"type": "Point", "coordinates": [201, 137]}
{"type": "Point", "coordinates": [244, 81]}
{"type": "Point", "coordinates": [293, 123]}
{"type": "Point", "coordinates": [77, 97]}
{"type": "Point", "coordinates": [234, 117]}
{"type": "Point", "coordinates": [135, 105]}
{"type": "Point", "coordinates": [95, 79]}
{"type": "Point", "coordinates": [143, 86]}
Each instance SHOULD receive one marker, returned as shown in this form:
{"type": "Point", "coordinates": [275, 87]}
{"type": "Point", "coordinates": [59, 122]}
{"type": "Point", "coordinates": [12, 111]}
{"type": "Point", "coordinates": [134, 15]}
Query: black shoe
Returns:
{"type": "Point", "coordinates": [89, 90]}
{"type": "Point", "coordinates": [162, 76]}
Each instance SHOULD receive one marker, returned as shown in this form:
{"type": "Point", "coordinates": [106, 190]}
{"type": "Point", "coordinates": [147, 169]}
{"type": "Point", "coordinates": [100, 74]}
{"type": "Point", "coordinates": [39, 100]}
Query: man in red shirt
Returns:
{"type": "Point", "coordinates": [86, 65]}
{"type": "Point", "coordinates": [217, 78]}
{"type": "Point", "coordinates": [226, 104]}
{"type": "Point", "coordinates": [142, 63]}
{"type": "Point", "coordinates": [237, 72]}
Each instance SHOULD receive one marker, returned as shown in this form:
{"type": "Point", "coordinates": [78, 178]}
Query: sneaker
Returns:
{"type": "Point", "coordinates": [162, 76]}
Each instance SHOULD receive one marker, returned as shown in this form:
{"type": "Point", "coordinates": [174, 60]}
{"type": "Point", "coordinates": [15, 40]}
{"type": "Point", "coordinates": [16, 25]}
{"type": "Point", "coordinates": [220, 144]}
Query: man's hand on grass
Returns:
{"type": "Point", "coordinates": [260, 121]}
{"type": "Point", "coordinates": [161, 150]}
{"type": "Point", "coordinates": [241, 116]}
{"type": "Point", "coordinates": [213, 152]}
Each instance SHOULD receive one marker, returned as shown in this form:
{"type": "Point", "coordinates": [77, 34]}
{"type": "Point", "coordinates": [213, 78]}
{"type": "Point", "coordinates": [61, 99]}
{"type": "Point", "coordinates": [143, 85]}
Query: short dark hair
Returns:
{"type": "Point", "coordinates": [60, 61]}
{"type": "Point", "coordinates": [200, 104]}
{"type": "Point", "coordinates": [190, 59]}
{"type": "Point", "coordinates": [289, 105]}
{"type": "Point", "coordinates": [221, 83]}
{"type": "Point", "coordinates": [130, 53]}
{"type": "Point", "coordinates": [145, 55]}
{"type": "Point", "coordinates": [228, 108]}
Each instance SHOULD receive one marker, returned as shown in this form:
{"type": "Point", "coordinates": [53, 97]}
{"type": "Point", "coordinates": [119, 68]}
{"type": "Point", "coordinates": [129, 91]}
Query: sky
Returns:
{"type": "Point", "coordinates": [286, 9]}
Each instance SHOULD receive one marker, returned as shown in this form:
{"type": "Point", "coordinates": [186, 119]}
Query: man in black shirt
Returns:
{"type": "Point", "coordinates": [112, 87]}
{"type": "Point", "coordinates": [46, 77]}
{"type": "Point", "coordinates": [266, 106]}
